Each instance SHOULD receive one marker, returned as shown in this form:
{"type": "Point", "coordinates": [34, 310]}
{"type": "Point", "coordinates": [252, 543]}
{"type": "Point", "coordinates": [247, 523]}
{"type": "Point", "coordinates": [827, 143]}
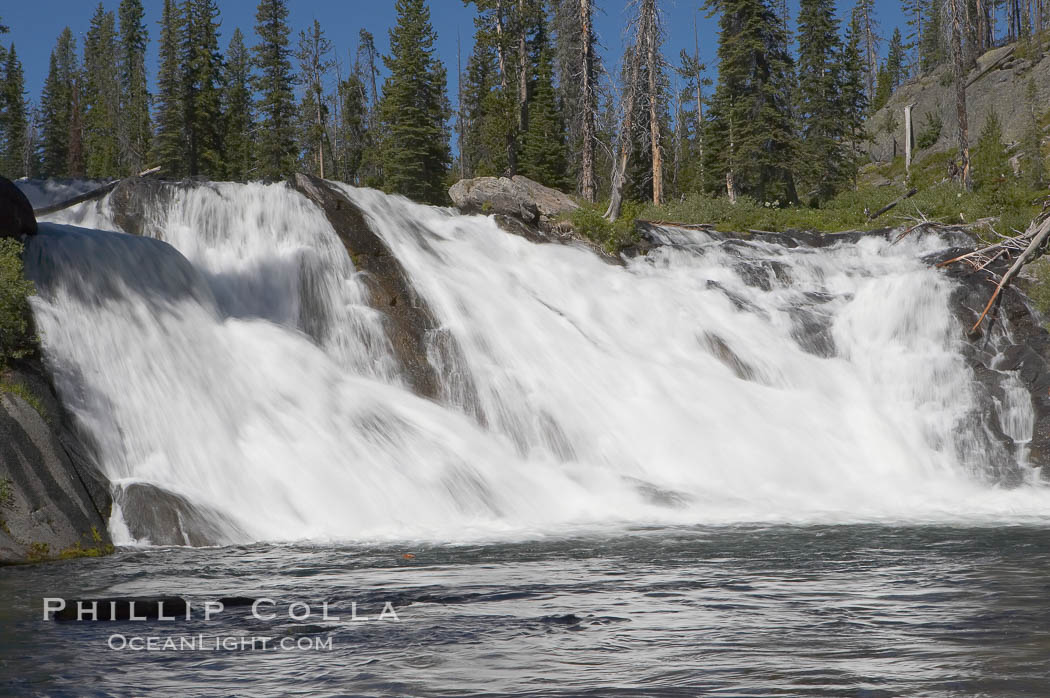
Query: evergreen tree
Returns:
{"type": "Point", "coordinates": [820, 109]}
{"type": "Point", "coordinates": [315, 63]}
{"type": "Point", "coordinates": [237, 110]}
{"type": "Point", "coordinates": [102, 96]}
{"type": "Point", "coordinates": [134, 129]}
{"type": "Point", "coordinates": [482, 155]}
{"type": "Point", "coordinates": [414, 109]}
{"type": "Point", "coordinates": [275, 145]}
{"type": "Point", "coordinates": [1032, 163]}
{"type": "Point", "coordinates": [371, 168]}
{"type": "Point", "coordinates": [895, 61]}
{"type": "Point", "coordinates": [498, 123]}
{"type": "Point", "coordinates": [990, 162]}
{"type": "Point", "coordinates": [853, 100]}
{"type": "Point", "coordinates": [60, 119]}
{"type": "Point", "coordinates": [579, 71]}
{"type": "Point", "coordinates": [751, 139]}
{"type": "Point", "coordinates": [543, 155]}
{"type": "Point", "coordinates": [354, 133]}
{"type": "Point", "coordinates": [201, 95]}
{"type": "Point", "coordinates": [169, 145]}
{"type": "Point", "coordinates": [914, 10]}
{"type": "Point", "coordinates": [883, 89]}
{"type": "Point", "coordinates": [869, 40]}
{"type": "Point", "coordinates": [931, 43]}
{"type": "Point", "coordinates": [14, 125]}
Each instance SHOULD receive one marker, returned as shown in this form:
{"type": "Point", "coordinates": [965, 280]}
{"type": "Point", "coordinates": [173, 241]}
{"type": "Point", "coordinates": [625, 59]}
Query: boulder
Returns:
{"type": "Point", "coordinates": [165, 518]}
{"type": "Point", "coordinates": [517, 196]}
{"type": "Point", "coordinates": [16, 213]}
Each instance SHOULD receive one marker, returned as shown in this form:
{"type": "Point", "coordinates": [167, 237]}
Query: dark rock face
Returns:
{"type": "Point", "coordinates": [1012, 338]}
{"type": "Point", "coordinates": [518, 197]}
{"type": "Point", "coordinates": [53, 500]}
{"type": "Point", "coordinates": [16, 213]}
{"type": "Point", "coordinates": [133, 198]}
{"type": "Point", "coordinates": [408, 319]}
{"type": "Point", "coordinates": [166, 518]}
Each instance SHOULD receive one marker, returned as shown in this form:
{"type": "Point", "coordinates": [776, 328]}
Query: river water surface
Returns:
{"type": "Point", "coordinates": [850, 610]}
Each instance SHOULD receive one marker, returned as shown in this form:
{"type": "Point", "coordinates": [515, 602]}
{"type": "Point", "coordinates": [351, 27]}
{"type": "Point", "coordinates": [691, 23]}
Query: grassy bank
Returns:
{"type": "Point", "coordinates": [1005, 206]}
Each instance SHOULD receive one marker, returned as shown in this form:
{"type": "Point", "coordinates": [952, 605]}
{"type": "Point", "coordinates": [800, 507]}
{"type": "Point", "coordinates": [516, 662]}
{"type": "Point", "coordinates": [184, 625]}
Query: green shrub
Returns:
{"type": "Point", "coordinates": [931, 131]}
{"type": "Point", "coordinates": [16, 339]}
{"type": "Point", "coordinates": [613, 237]}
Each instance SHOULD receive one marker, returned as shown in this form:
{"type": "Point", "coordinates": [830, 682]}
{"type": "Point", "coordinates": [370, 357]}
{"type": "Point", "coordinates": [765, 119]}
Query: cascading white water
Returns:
{"type": "Point", "coordinates": [705, 382]}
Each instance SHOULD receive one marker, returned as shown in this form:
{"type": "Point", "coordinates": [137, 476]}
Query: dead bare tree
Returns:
{"type": "Point", "coordinates": [626, 137]}
{"type": "Point", "coordinates": [956, 10]}
{"type": "Point", "coordinates": [588, 99]}
{"type": "Point", "coordinates": [650, 29]}
{"type": "Point", "coordinates": [644, 47]}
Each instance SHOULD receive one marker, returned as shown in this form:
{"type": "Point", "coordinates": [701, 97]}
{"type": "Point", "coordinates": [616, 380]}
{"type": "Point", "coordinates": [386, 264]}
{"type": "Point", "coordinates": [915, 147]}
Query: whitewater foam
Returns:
{"type": "Point", "coordinates": [238, 364]}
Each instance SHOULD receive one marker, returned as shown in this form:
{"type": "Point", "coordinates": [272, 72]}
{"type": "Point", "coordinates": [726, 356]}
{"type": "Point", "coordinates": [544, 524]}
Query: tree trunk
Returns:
{"type": "Point", "coordinates": [587, 97]}
{"type": "Point", "coordinates": [523, 71]}
{"type": "Point", "coordinates": [649, 23]}
{"type": "Point", "coordinates": [960, 91]}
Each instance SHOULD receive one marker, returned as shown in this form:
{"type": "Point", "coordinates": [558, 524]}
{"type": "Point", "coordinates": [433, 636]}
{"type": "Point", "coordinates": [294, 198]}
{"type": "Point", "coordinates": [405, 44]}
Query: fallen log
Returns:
{"type": "Point", "coordinates": [95, 193]}
{"type": "Point", "coordinates": [1038, 233]}
{"type": "Point", "coordinates": [907, 195]}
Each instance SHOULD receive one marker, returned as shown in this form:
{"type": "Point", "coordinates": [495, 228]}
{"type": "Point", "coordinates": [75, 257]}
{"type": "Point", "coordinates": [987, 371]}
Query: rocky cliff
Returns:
{"type": "Point", "coordinates": [998, 81]}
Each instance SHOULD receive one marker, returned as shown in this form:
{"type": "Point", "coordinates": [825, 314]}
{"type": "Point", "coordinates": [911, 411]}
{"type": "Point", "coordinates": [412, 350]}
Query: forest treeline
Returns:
{"type": "Point", "coordinates": [783, 121]}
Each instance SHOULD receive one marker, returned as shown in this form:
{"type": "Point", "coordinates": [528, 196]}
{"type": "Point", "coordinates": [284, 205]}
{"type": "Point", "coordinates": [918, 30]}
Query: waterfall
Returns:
{"type": "Point", "coordinates": [231, 356]}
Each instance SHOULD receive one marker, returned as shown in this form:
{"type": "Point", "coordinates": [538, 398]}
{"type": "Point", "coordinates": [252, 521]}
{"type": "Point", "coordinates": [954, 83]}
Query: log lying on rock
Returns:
{"type": "Point", "coordinates": [1031, 245]}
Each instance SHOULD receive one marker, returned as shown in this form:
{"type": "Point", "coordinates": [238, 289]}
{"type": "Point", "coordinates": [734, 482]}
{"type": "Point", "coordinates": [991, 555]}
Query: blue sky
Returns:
{"type": "Point", "coordinates": [35, 24]}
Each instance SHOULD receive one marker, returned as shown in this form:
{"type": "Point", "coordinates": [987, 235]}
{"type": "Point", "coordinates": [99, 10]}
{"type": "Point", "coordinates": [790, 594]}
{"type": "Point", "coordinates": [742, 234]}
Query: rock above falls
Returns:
{"type": "Point", "coordinates": [517, 196]}
{"type": "Point", "coordinates": [16, 213]}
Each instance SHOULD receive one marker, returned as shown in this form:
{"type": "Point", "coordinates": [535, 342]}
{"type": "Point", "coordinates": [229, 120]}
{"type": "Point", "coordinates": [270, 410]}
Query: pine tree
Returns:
{"type": "Point", "coordinates": [237, 110]}
{"type": "Point", "coordinates": [202, 99]}
{"type": "Point", "coordinates": [102, 96]}
{"type": "Point", "coordinates": [751, 138]}
{"type": "Point", "coordinates": [275, 145]}
{"type": "Point", "coordinates": [481, 155]}
{"type": "Point", "coordinates": [883, 89]}
{"type": "Point", "coordinates": [820, 109]}
{"type": "Point", "coordinates": [371, 168]}
{"type": "Point", "coordinates": [1033, 164]}
{"type": "Point", "coordinates": [354, 133]}
{"type": "Point", "coordinates": [543, 153]}
{"type": "Point", "coordinates": [60, 119]}
{"type": "Point", "coordinates": [169, 145]}
{"type": "Point", "coordinates": [579, 71]}
{"type": "Point", "coordinates": [414, 109]}
{"type": "Point", "coordinates": [135, 130]}
{"type": "Point", "coordinates": [914, 10]}
{"type": "Point", "coordinates": [14, 125]}
{"type": "Point", "coordinates": [853, 100]}
{"type": "Point", "coordinates": [990, 162]}
{"type": "Point", "coordinates": [869, 38]}
{"type": "Point", "coordinates": [498, 125]}
{"type": "Point", "coordinates": [315, 63]}
{"type": "Point", "coordinates": [931, 43]}
{"type": "Point", "coordinates": [895, 61]}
